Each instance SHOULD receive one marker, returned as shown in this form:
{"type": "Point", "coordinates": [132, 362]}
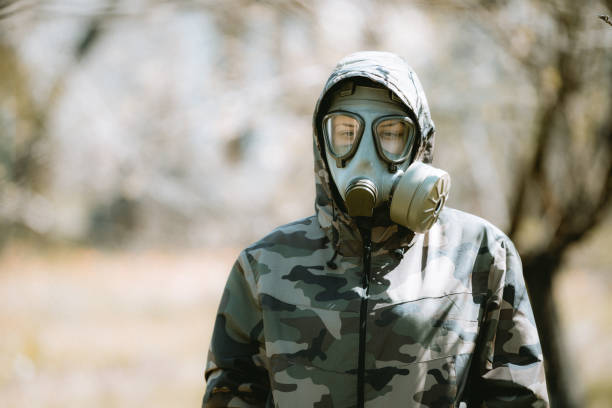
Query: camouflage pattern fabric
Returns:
{"type": "Point", "coordinates": [447, 318]}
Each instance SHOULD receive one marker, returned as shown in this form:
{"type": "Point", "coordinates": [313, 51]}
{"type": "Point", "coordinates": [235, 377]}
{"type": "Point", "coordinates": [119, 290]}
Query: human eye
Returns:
{"type": "Point", "coordinates": [347, 133]}
{"type": "Point", "coordinates": [390, 134]}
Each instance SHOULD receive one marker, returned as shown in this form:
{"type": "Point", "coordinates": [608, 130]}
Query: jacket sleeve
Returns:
{"type": "Point", "coordinates": [509, 369]}
{"type": "Point", "coordinates": [234, 373]}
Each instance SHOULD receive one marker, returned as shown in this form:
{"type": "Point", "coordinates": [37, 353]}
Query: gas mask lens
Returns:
{"type": "Point", "coordinates": [394, 137]}
{"type": "Point", "coordinates": [342, 131]}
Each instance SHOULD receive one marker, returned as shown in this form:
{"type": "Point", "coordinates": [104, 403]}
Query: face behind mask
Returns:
{"type": "Point", "coordinates": [369, 146]}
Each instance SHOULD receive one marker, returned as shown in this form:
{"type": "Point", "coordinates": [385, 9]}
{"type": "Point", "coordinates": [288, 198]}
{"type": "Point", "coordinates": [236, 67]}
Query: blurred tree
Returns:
{"type": "Point", "coordinates": [563, 189]}
{"type": "Point", "coordinates": [22, 135]}
{"type": "Point", "coordinates": [10, 7]}
{"type": "Point", "coordinates": [24, 148]}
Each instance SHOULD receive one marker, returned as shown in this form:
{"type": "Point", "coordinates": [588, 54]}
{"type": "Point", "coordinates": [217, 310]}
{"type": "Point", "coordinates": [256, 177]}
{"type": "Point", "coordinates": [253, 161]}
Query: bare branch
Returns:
{"type": "Point", "coordinates": [9, 8]}
{"type": "Point", "coordinates": [534, 170]}
{"type": "Point", "coordinates": [574, 227]}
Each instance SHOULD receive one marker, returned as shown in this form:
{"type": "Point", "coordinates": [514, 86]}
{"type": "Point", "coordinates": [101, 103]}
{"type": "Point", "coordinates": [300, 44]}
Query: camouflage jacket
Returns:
{"type": "Point", "coordinates": [319, 314]}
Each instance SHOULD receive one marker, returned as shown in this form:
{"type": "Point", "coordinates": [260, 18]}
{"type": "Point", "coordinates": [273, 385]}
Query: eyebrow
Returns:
{"type": "Point", "coordinates": [389, 124]}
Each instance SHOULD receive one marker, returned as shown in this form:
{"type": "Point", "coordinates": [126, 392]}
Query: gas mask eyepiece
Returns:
{"type": "Point", "coordinates": [393, 136]}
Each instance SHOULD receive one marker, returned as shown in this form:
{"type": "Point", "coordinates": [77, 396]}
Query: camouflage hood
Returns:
{"type": "Point", "coordinates": [395, 74]}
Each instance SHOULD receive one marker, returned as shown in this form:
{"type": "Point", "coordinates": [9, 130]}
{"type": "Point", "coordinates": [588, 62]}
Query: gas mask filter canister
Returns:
{"type": "Point", "coordinates": [369, 141]}
{"type": "Point", "coordinates": [419, 197]}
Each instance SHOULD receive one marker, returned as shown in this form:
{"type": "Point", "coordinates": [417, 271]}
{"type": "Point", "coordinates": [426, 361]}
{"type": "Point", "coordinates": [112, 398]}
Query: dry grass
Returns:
{"type": "Point", "coordinates": [88, 328]}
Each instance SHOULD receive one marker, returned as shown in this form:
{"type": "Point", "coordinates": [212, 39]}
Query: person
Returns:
{"type": "Point", "coordinates": [385, 297]}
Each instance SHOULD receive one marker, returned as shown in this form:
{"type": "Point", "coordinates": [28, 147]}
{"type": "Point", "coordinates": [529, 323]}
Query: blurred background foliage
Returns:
{"type": "Point", "coordinates": [143, 143]}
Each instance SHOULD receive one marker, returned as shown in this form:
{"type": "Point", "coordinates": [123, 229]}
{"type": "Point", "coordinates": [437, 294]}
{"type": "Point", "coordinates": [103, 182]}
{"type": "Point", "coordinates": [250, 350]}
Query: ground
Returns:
{"type": "Point", "coordinates": [87, 328]}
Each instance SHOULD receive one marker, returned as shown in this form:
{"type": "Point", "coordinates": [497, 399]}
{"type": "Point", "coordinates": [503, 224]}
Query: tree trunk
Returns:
{"type": "Point", "coordinates": [539, 272]}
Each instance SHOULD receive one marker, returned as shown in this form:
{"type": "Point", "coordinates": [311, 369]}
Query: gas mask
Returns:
{"type": "Point", "coordinates": [369, 146]}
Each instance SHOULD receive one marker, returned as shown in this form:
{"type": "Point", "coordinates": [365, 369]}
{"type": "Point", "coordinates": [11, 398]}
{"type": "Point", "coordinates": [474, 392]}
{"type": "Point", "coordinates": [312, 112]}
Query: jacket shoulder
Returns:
{"type": "Point", "coordinates": [471, 227]}
{"type": "Point", "coordinates": [494, 260]}
{"type": "Point", "coordinates": [302, 233]}
{"type": "Point", "coordinates": [287, 243]}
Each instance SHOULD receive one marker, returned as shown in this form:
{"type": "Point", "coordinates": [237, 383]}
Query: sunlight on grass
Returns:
{"type": "Point", "coordinates": [83, 327]}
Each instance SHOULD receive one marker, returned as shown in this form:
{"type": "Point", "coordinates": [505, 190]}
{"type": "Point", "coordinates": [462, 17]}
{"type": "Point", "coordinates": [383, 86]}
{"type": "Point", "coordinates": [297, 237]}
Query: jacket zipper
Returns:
{"type": "Point", "coordinates": [363, 318]}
